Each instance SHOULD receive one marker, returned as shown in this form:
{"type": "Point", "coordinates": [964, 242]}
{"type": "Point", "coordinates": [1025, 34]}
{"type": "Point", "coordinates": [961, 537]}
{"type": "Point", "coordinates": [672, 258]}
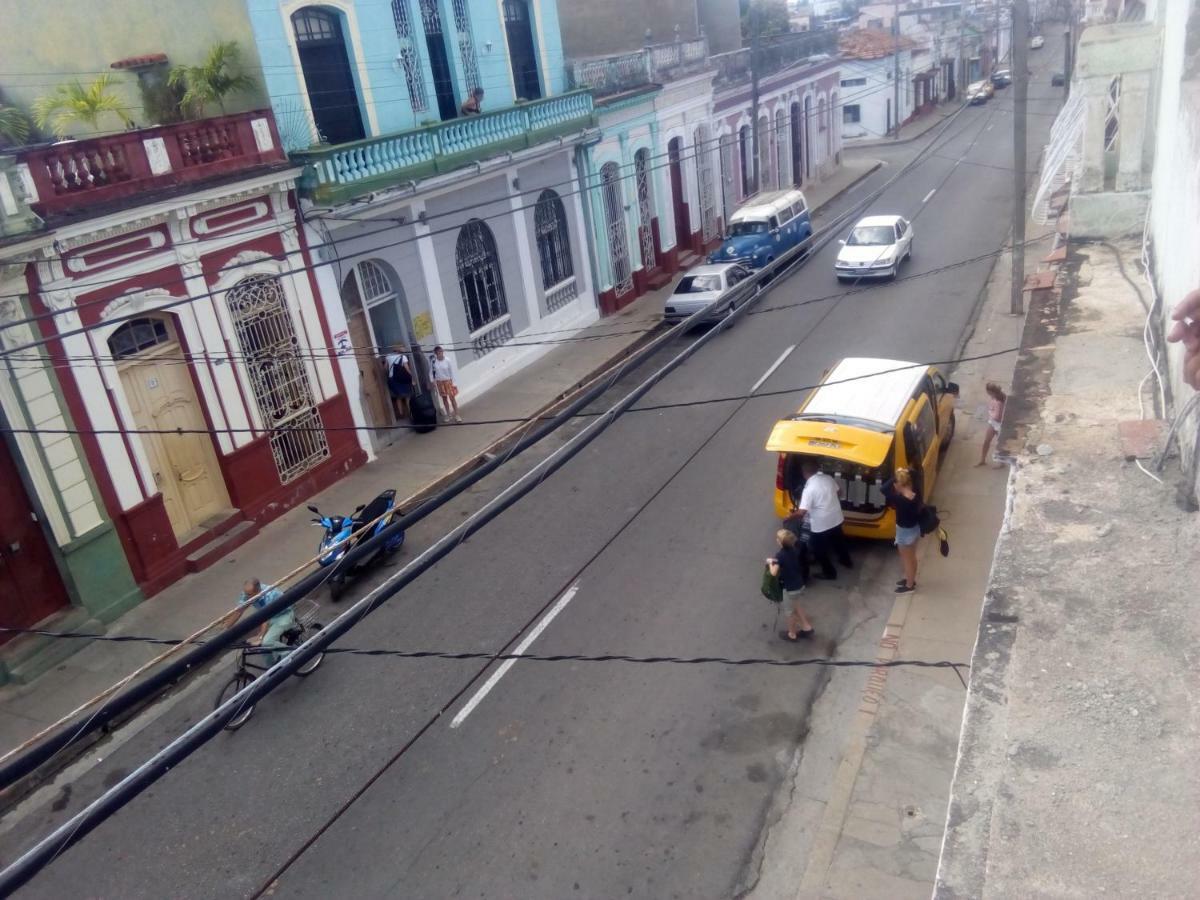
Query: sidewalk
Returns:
{"type": "Point", "coordinates": [910, 130]}
{"type": "Point", "coordinates": [413, 464]}
{"type": "Point", "coordinates": [871, 788]}
{"type": "Point", "coordinates": [1077, 773]}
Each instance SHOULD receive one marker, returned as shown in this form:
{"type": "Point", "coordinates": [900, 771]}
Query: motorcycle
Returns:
{"type": "Point", "coordinates": [345, 533]}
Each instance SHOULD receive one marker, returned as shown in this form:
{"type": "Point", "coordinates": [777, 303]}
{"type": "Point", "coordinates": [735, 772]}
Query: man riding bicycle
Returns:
{"type": "Point", "coordinates": [270, 632]}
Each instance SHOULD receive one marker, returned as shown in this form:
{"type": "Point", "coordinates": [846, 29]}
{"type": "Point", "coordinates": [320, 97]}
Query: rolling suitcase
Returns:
{"type": "Point", "coordinates": [424, 412]}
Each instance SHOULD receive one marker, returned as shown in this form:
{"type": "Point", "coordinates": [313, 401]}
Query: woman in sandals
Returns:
{"type": "Point", "coordinates": [902, 496]}
{"type": "Point", "coordinates": [790, 565]}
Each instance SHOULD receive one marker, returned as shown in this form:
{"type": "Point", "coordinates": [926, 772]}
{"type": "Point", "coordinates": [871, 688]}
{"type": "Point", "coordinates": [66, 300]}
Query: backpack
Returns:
{"type": "Point", "coordinates": [928, 520]}
{"type": "Point", "coordinates": [398, 373]}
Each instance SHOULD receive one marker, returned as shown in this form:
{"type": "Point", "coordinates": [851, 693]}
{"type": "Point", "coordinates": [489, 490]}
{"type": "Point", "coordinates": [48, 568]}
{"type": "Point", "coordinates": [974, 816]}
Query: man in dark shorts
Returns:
{"type": "Point", "coordinates": [400, 380]}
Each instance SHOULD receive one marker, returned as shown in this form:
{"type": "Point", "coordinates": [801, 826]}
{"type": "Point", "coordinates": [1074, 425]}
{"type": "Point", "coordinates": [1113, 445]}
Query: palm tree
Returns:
{"type": "Point", "coordinates": [213, 80]}
{"type": "Point", "coordinates": [14, 126]}
{"type": "Point", "coordinates": [73, 102]}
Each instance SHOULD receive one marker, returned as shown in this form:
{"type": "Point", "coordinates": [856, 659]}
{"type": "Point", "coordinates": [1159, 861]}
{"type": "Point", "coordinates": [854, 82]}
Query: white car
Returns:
{"type": "Point", "coordinates": [875, 248]}
{"type": "Point", "coordinates": [703, 285]}
{"type": "Point", "coordinates": [1037, 42]}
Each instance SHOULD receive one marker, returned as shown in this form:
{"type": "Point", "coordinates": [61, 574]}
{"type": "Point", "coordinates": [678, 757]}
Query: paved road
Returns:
{"type": "Point", "coordinates": [567, 779]}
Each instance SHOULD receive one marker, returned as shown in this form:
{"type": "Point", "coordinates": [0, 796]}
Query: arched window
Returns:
{"type": "Point", "coordinates": [554, 251]}
{"type": "Point", "coordinates": [728, 176]}
{"type": "Point", "coordinates": [138, 335]}
{"type": "Point", "coordinates": [614, 223]}
{"type": "Point", "coordinates": [704, 181]}
{"type": "Point", "coordinates": [781, 149]}
{"type": "Point", "coordinates": [277, 373]}
{"type": "Point", "coordinates": [797, 148]}
{"type": "Point", "coordinates": [482, 287]}
{"type": "Point", "coordinates": [764, 153]}
{"type": "Point", "coordinates": [747, 165]}
{"type": "Point", "coordinates": [645, 199]}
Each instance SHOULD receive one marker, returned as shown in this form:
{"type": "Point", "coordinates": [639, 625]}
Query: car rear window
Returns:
{"type": "Point", "coordinates": [698, 284]}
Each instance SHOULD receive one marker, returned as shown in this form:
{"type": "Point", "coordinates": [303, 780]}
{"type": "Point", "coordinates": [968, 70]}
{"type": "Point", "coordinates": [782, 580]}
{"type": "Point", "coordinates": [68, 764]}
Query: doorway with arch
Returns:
{"type": "Point", "coordinates": [378, 319]}
{"type": "Point", "coordinates": [161, 398]}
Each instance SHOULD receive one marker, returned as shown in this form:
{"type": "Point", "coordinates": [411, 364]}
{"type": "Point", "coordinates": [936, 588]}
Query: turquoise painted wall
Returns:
{"type": "Point", "coordinates": [369, 29]}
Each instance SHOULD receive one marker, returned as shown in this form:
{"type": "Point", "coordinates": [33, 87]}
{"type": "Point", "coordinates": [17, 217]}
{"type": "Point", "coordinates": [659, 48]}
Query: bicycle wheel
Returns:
{"type": "Point", "coordinates": [235, 684]}
{"type": "Point", "coordinates": [311, 665]}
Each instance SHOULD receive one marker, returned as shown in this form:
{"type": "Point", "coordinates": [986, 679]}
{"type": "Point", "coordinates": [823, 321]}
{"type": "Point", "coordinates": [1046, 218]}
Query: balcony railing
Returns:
{"type": "Point", "coordinates": [655, 64]}
{"type": "Point", "coordinates": [70, 174]}
{"type": "Point", "coordinates": [775, 54]}
{"type": "Point", "coordinates": [340, 173]}
{"type": "Point", "coordinates": [16, 216]}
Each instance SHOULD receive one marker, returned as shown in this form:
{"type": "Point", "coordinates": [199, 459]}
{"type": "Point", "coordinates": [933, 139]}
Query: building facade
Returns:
{"type": "Point", "coordinates": [868, 83]}
{"type": "Point", "coordinates": [440, 226]}
{"type": "Point", "coordinates": [675, 155]}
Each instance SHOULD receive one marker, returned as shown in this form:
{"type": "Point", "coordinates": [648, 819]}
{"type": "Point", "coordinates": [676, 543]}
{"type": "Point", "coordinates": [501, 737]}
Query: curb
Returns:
{"type": "Point", "coordinates": [546, 409]}
{"type": "Point", "coordinates": [877, 165]}
{"type": "Point", "coordinates": [904, 140]}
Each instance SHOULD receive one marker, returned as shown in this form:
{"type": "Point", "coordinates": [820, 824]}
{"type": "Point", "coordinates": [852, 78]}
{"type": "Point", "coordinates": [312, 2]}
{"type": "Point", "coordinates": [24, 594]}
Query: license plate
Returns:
{"type": "Point", "coordinates": [818, 442]}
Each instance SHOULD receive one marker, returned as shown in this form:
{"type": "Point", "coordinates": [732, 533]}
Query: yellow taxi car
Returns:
{"type": "Point", "coordinates": [867, 418]}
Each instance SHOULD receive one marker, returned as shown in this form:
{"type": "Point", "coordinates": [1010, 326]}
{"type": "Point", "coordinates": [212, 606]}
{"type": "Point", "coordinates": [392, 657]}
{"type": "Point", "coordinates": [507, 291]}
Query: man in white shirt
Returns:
{"type": "Point", "coordinates": [821, 503]}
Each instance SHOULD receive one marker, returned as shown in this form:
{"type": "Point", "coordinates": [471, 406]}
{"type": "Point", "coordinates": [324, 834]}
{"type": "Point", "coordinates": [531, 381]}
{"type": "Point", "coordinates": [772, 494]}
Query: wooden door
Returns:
{"type": "Point", "coordinates": [30, 585]}
{"type": "Point", "coordinates": [371, 377]}
{"type": "Point", "coordinates": [184, 466]}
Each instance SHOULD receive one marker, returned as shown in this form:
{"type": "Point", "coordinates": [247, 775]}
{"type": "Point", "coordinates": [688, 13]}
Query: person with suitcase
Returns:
{"type": "Point", "coordinates": [399, 380]}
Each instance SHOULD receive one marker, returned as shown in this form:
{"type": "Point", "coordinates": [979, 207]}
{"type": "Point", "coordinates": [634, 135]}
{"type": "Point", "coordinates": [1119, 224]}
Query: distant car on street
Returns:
{"type": "Point", "coordinates": [1002, 78]}
{"type": "Point", "coordinates": [979, 92]}
{"type": "Point", "coordinates": [703, 285]}
{"type": "Point", "coordinates": [1057, 80]}
{"type": "Point", "coordinates": [1037, 42]}
{"type": "Point", "coordinates": [875, 248]}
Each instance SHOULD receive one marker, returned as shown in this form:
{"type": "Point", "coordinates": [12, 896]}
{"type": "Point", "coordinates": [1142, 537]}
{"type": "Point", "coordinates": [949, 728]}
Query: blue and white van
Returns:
{"type": "Point", "coordinates": [766, 228]}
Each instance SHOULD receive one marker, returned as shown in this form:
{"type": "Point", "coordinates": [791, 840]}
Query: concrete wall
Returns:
{"type": "Point", "coordinates": [47, 44]}
{"type": "Point", "coordinates": [598, 27]}
{"type": "Point", "coordinates": [1175, 203]}
{"type": "Point", "coordinates": [874, 97]}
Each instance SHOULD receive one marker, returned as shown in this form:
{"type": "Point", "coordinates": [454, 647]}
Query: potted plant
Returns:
{"type": "Point", "coordinates": [211, 81]}
{"type": "Point", "coordinates": [73, 102]}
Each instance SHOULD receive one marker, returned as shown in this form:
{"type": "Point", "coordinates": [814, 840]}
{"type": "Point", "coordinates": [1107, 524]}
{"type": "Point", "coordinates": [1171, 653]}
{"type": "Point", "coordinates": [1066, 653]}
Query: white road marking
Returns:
{"type": "Point", "coordinates": [771, 371]}
{"type": "Point", "coordinates": [930, 194]}
{"type": "Point", "coordinates": [558, 607]}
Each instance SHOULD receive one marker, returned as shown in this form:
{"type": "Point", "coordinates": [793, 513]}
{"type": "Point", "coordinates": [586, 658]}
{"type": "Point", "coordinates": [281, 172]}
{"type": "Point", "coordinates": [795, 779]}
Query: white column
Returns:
{"type": "Point", "coordinates": [433, 283]}
{"type": "Point", "coordinates": [581, 239]}
{"type": "Point", "coordinates": [532, 288]}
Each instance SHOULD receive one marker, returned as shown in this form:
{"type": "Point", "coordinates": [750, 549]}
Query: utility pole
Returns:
{"type": "Point", "coordinates": [996, 30]}
{"type": "Point", "coordinates": [755, 29]}
{"type": "Point", "coordinates": [896, 70]}
{"type": "Point", "coordinates": [1020, 91]}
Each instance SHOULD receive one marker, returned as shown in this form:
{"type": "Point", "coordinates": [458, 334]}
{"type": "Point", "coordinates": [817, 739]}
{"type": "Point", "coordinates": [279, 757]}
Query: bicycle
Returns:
{"type": "Point", "coordinates": [246, 668]}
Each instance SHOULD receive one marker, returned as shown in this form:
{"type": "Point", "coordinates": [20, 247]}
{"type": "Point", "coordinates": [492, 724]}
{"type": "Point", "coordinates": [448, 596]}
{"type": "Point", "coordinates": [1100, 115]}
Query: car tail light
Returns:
{"type": "Point", "coordinates": [779, 472]}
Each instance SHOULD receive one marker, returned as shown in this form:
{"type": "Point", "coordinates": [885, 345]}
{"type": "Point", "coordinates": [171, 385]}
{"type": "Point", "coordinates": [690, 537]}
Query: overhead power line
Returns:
{"type": "Point", "coordinates": [658, 407]}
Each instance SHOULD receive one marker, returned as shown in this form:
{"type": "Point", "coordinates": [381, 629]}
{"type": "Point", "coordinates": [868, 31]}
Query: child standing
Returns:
{"type": "Point", "coordinates": [443, 377]}
{"type": "Point", "coordinates": [995, 415]}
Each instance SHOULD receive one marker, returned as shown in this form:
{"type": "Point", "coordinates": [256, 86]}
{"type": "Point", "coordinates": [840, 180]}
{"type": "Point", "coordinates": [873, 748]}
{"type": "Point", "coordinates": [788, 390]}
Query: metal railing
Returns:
{"type": "Point", "coordinates": [653, 64]}
{"type": "Point", "coordinates": [774, 55]}
{"type": "Point", "coordinates": [339, 173]}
